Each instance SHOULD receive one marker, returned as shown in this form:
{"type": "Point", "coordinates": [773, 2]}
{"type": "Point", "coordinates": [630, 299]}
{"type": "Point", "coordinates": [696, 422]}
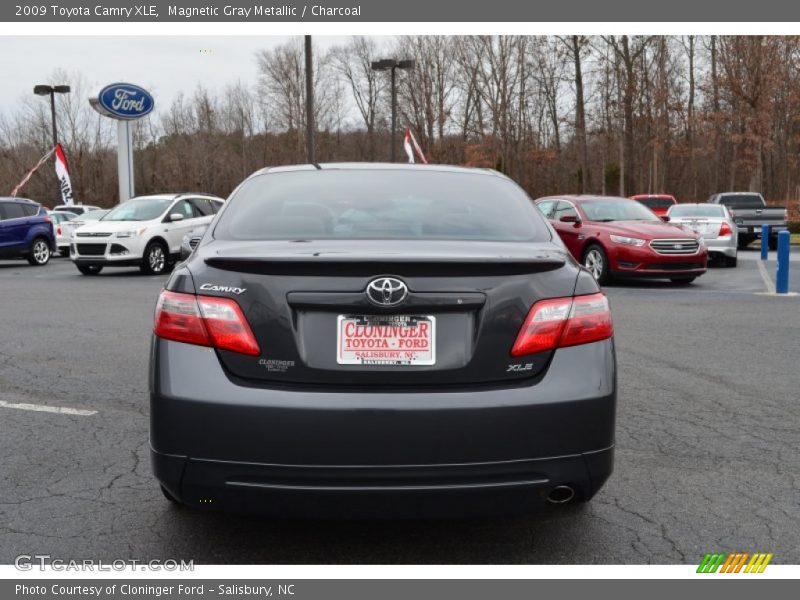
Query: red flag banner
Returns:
{"type": "Point", "coordinates": [411, 146]}
{"type": "Point", "coordinates": [62, 171]}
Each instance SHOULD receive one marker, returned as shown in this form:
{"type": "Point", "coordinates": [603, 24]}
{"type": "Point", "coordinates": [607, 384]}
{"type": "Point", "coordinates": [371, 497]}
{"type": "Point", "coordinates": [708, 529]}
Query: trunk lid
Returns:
{"type": "Point", "coordinates": [474, 296]}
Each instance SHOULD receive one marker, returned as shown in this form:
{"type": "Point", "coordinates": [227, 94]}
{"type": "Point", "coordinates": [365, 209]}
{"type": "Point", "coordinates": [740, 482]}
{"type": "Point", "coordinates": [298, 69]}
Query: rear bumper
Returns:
{"type": "Point", "coordinates": [295, 452]}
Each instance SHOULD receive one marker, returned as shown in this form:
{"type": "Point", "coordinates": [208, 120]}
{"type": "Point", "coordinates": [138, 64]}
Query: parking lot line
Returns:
{"type": "Point", "coordinates": [51, 409]}
{"type": "Point", "coordinates": [765, 276]}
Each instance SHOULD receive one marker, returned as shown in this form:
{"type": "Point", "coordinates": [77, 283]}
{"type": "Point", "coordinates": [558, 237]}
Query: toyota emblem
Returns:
{"type": "Point", "coordinates": [386, 291]}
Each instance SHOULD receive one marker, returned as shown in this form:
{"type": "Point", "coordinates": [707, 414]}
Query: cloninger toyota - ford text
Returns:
{"type": "Point", "coordinates": [367, 340]}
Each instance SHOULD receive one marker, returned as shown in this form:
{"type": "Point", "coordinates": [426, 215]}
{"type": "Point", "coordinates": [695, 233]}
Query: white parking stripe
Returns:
{"type": "Point", "coordinates": [51, 409]}
{"type": "Point", "coordinates": [765, 276]}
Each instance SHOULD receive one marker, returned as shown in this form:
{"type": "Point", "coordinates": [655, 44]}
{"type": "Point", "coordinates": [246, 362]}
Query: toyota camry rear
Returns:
{"type": "Point", "coordinates": [367, 340]}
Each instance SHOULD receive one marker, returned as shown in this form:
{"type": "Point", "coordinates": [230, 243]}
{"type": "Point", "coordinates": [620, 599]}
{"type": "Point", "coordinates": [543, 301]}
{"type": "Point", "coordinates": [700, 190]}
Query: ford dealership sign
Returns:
{"type": "Point", "coordinates": [123, 101]}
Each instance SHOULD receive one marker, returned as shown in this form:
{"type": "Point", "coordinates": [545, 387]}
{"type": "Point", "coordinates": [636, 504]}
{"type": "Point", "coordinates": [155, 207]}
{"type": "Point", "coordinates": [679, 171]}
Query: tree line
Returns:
{"type": "Point", "coordinates": [686, 115]}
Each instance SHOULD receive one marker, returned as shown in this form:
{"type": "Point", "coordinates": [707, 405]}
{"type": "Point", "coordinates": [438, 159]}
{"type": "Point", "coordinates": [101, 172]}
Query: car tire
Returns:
{"type": "Point", "coordinates": [169, 496]}
{"type": "Point", "coordinates": [155, 260]}
{"type": "Point", "coordinates": [682, 280]}
{"type": "Point", "coordinates": [596, 260]}
{"type": "Point", "coordinates": [89, 269]}
{"type": "Point", "coordinates": [773, 242]}
{"type": "Point", "coordinates": [730, 261]}
{"type": "Point", "coordinates": [39, 253]}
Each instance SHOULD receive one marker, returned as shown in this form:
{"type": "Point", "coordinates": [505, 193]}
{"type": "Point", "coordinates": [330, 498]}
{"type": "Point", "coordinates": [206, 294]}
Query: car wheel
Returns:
{"type": "Point", "coordinates": [39, 253]}
{"type": "Point", "coordinates": [682, 280]}
{"type": "Point", "coordinates": [773, 242]}
{"type": "Point", "coordinates": [169, 496]}
{"type": "Point", "coordinates": [89, 269]}
{"type": "Point", "coordinates": [730, 261]}
{"type": "Point", "coordinates": [154, 261]}
{"type": "Point", "coordinates": [596, 260]}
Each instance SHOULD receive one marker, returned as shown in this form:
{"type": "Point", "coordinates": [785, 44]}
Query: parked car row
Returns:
{"type": "Point", "coordinates": [146, 231]}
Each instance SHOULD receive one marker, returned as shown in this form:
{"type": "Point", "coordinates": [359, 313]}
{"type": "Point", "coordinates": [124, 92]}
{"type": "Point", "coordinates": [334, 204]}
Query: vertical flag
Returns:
{"type": "Point", "coordinates": [62, 171]}
{"type": "Point", "coordinates": [410, 144]}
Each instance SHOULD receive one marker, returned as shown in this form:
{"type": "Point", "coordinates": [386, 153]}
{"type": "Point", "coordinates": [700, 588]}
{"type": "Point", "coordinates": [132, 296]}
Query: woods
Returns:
{"type": "Point", "coordinates": [686, 115]}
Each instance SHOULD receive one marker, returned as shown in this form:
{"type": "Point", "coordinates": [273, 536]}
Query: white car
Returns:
{"type": "Point", "coordinates": [60, 219]}
{"type": "Point", "coordinates": [78, 209]}
{"type": "Point", "coordinates": [145, 231]}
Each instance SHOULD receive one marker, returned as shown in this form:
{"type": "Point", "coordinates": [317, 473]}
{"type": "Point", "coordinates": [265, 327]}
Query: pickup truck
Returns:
{"type": "Point", "coordinates": [749, 212]}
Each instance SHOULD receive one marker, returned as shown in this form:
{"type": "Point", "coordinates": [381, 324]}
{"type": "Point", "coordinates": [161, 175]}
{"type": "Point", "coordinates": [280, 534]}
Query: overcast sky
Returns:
{"type": "Point", "coordinates": [163, 65]}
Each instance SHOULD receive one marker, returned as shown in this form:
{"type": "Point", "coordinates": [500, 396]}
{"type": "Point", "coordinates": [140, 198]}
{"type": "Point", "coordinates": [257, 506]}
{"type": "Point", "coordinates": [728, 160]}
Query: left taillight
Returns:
{"type": "Point", "coordinates": [563, 322]}
{"type": "Point", "coordinates": [204, 321]}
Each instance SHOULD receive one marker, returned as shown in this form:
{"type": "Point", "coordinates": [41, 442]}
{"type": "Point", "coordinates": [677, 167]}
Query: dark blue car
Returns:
{"type": "Point", "coordinates": [26, 231]}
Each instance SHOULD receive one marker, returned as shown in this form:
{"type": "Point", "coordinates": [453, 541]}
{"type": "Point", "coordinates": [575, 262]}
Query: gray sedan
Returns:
{"type": "Point", "coordinates": [714, 223]}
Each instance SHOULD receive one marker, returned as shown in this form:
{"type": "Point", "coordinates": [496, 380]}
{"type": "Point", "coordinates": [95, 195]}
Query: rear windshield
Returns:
{"type": "Point", "coordinates": [697, 210]}
{"type": "Point", "coordinates": [742, 201]}
{"type": "Point", "coordinates": [381, 204]}
{"type": "Point", "coordinates": [656, 201]}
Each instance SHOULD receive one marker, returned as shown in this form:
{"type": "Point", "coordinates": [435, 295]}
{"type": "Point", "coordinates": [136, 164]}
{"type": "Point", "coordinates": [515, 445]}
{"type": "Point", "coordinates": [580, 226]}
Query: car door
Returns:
{"type": "Point", "coordinates": [571, 233]}
{"type": "Point", "coordinates": [15, 225]}
{"type": "Point", "coordinates": [175, 230]}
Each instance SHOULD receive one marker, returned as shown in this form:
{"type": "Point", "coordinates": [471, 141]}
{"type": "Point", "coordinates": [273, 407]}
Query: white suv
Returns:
{"type": "Point", "coordinates": [145, 231]}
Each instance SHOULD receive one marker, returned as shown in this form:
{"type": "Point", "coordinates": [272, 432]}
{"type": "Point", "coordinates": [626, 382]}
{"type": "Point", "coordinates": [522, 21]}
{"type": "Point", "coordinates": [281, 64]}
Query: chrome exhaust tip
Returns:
{"type": "Point", "coordinates": [561, 494]}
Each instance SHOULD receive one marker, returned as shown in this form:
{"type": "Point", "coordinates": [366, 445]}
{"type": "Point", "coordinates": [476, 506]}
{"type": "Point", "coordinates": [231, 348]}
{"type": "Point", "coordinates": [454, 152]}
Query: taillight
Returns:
{"type": "Point", "coordinates": [563, 322]}
{"type": "Point", "coordinates": [725, 229]}
{"type": "Point", "coordinates": [58, 230]}
{"type": "Point", "coordinates": [204, 321]}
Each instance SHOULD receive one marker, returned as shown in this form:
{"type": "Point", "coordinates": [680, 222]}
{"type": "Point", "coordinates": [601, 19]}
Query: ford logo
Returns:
{"type": "Point", "coordinates": [123, 101]}
{"type": "Point", "coordinates": [386, 291]}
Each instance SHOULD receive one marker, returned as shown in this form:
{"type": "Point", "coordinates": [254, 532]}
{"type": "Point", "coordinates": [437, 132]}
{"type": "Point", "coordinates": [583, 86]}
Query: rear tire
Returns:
{"type": "Point", "coordinates": [596, 260]}
{"type": "Point", "coordinates": [730, 261]}
{"type": "Point", "coordinates": [89, 269]}
{"type": "Point", "coordinates": [39, 254]}
{"type": "Point", "coordinates": [682, 280]}
{"type": "Point", "coordinates": [154, 261]}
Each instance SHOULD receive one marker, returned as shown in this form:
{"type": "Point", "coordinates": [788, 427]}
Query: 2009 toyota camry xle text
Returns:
{"type": "Point", "coordinates": [365, 340]}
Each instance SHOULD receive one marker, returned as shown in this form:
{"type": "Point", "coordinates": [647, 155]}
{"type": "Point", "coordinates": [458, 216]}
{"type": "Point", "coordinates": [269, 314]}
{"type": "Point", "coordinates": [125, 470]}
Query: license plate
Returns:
{"type": "Point", "coordinates": [399, 340]}
{"type": "Point", "coordinates": [757, 231]}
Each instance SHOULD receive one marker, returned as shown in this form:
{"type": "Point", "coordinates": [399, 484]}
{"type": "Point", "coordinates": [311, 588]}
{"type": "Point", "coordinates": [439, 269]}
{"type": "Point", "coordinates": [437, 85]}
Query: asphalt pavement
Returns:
{"type": "Point", "coordinates": [707, 438]}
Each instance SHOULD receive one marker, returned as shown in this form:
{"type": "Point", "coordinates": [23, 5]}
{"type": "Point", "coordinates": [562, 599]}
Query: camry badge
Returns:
{"type": "Point", "coordinates": [386, 291]}
{"type": "Point", "coordinates": [210, 287]}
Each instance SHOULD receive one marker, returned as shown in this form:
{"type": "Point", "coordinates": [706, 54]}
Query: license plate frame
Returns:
{"type": "Point", "coordinates": [390, 354]}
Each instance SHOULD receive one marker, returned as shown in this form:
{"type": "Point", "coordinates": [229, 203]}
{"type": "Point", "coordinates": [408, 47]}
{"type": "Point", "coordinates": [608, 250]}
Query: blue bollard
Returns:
{"type": "Point", "coordinates": [764, 242]}
{"type": "Point", "coordinates": [782, 277]}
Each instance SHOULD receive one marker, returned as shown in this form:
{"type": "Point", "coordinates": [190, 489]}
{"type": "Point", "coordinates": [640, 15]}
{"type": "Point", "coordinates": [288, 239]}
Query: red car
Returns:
{"type": "Point", "coordinates": [658, 203]}
{"type": "Point", "coordinates": [618, 237]}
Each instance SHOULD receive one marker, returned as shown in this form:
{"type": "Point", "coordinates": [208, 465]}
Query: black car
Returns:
{"type": "Point", "coordinates": [362, 340]}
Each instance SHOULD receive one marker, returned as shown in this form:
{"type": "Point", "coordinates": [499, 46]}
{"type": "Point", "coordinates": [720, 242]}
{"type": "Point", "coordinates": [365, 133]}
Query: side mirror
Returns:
{"type": "Point", "coordinates": [174, 217]}
{"type": "Point", "coordinates": [665, 218]}
{"type": "Point", "coordinates": [570, 219]}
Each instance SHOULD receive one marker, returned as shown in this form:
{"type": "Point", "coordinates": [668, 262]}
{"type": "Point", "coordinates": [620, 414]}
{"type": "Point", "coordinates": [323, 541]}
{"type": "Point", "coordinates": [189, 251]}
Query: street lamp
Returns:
{"type": "Point", "coordinates": [391, 64]}
{"type": "Point", "coordinates": [52, 90]}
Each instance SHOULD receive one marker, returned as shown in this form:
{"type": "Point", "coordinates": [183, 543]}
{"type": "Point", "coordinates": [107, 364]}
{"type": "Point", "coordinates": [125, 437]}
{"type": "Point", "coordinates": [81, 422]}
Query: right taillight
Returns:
{"type": "Point", "coordinates": [561, 322]}
{"type": "Point", "coordinates": [204, 321]}
{"type": "Point", "coordinates": [725, 229]}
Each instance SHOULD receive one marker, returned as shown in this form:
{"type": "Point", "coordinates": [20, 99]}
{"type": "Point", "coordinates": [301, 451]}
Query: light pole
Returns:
{"type": "Point", "coordinates": [391, 64]}
{"type": "Point", "coordinates": [52, 90]}
{"type": "Point", "coordinates": [311, 154]}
